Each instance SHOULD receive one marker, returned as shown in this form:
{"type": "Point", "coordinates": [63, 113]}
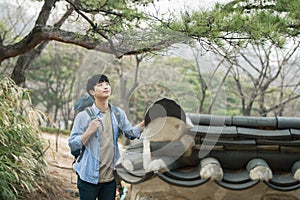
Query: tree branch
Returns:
{"type": "Point", "coordinates": [43, 33]}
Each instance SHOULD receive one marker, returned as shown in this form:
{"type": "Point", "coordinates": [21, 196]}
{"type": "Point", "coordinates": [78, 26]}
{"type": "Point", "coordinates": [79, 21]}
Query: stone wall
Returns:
{"type": "Point", "coordinates": [156, 189]}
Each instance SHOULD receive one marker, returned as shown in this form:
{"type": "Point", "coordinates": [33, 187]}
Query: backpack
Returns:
{"type": "Point", "coordinates": [82, 103]}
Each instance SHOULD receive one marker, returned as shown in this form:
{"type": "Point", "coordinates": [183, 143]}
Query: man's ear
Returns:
{"type": "Point", "coordinates": [91, 92]}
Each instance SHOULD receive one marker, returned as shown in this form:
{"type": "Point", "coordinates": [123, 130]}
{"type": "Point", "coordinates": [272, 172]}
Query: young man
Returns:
{"type": "Point", "coordinates": [99, 139]}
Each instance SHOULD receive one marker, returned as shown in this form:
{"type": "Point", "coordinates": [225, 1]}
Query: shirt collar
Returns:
{"type": "Point", "coordinates": [97, 110]}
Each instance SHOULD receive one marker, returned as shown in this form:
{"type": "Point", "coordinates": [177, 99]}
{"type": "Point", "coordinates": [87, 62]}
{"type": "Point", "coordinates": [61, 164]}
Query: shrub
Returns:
{"type": "Point", "coordinates": [55, 130]}
{"type": "Point", "coordinates": [21, 148]}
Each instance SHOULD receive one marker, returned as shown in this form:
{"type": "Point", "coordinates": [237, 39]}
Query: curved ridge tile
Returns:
{"type": "Point", "coordinates": [133, 177]}
{"type": "Point", "coordinates": [181, 183]}
{"type": "Point", "coordinates": [214, 120]}
{"type": "Point", "coordinates": [184, 175]}
{"type": "Point", "coordinates": [237, 186]}
{"type": "Point", "coordinates": [236, 177]}
{"type": "Point", "coordinates": [283, 188]}
{"type": "Point", "coordinates": [129, 178]}
{"type": "Point", "coordinates": [288, 122]}
{"type": "Point", "coordinates": [283, 182]}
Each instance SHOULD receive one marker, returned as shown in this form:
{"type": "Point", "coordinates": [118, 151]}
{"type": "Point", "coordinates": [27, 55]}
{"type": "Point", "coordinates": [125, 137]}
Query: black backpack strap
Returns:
{"type": "Point", "coordinates": [81, 154]}
{"type": "Point", "coordinates": [90, 112]}
{"type": "Point", "coordinates": [117, 113]}
{"type": "Point", "coordinates": [118, 116]}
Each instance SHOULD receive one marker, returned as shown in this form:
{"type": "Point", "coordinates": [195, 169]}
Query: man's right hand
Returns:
{"type": "Point", "coordinates": [94, 125]}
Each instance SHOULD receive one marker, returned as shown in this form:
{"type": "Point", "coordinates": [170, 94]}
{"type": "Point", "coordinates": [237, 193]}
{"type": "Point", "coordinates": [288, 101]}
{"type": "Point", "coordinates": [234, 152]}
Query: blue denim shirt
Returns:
{"type": "Point", "coordinates": [88, 167]}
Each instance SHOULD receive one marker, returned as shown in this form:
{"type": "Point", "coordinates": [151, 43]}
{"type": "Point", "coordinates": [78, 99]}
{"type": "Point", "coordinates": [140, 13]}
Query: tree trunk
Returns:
{"type": "Point", "coordinates": [23, 63]}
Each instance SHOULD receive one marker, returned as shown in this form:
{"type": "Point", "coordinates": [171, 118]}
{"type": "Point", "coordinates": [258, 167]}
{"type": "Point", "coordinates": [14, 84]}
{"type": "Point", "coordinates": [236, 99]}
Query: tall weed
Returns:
{"type": "Point", "coordinates": [21, 148]}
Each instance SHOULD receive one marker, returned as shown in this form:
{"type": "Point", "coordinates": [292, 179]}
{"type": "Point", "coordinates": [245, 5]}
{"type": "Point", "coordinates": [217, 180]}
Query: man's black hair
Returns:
{"type": "Point", "coordinates": [94, 80]}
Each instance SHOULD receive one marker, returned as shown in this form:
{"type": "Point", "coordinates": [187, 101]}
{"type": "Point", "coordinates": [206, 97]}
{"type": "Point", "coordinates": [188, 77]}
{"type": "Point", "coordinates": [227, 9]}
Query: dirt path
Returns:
{"type": "Point", "coordinates": [60, 164]}
{"type": "Point", "coordinates": [59, 167]}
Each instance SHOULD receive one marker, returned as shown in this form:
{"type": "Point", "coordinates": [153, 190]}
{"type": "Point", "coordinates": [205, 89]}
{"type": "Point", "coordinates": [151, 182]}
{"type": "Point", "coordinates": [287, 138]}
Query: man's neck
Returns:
{"type": "Point", "coordinates": [102, 104]}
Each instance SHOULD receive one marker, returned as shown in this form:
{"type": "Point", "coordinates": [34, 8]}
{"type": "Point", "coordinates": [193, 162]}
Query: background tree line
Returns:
{"type": "Point", "coordinates": [252, 82]}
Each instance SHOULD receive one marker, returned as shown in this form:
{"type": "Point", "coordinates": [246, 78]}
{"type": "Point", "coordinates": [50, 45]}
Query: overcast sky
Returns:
{"type": "Point", "coordinates": [164, 5]}
{"type": "Point", "coordinates": [190, 3]}
{"type": "Point", "coordinates": [177, 5]}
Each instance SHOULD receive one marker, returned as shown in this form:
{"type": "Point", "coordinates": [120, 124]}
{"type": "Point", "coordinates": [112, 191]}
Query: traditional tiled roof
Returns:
{"type": "Point", "coordinates": [245, 150]}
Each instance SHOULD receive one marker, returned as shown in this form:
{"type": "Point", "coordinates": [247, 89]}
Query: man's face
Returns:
{"type": "Point", "coordinates": [101, 90]}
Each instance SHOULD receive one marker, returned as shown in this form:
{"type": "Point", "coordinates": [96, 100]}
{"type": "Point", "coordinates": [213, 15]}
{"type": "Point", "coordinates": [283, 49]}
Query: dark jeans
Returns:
{"type": "Point", "coordinates": [89, 191]}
